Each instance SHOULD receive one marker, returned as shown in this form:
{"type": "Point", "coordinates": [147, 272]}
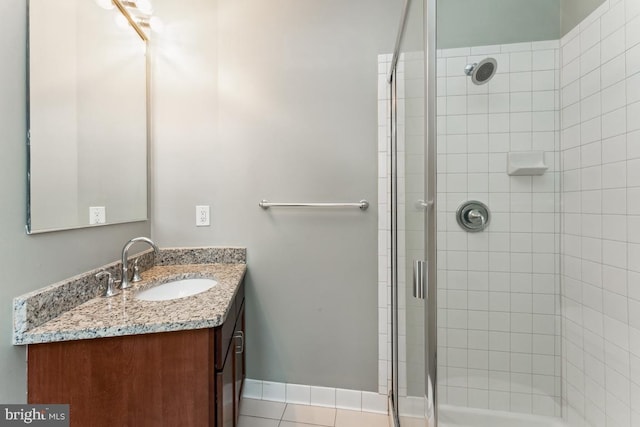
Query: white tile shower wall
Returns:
{"type": "Point", "coordinates": [498, 291]}
{"type": "Point", "coordinates": [600, 150]}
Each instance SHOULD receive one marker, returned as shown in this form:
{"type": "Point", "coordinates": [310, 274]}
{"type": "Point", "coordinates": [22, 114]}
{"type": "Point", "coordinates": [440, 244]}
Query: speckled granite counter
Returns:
{"type": "Point", "coordinates": [125, 315]}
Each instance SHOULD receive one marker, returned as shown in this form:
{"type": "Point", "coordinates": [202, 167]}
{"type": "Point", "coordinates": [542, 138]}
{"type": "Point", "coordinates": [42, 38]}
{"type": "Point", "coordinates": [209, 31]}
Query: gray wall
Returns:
{"type": "Point", "coordinates": [478, 23]}
{"type": "Point", "coordinates": [277, 100]}
{"type": "Point", "coordinates": [488, 22]}
{"type": "Point", "coordinates": [574, 11]}
{"type": "Point", "coordinates": [31, 262]}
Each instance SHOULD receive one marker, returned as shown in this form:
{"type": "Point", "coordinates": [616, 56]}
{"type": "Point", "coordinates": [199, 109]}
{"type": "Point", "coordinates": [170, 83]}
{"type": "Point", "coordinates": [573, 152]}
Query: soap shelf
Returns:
{"type": "Point", "coordinates": [526, 163]}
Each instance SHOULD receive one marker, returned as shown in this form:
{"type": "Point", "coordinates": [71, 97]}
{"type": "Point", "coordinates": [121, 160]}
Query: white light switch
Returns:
{"type": "Point", "coordinates": [202, 216]}
{"type": "Point", "coordinates": [97, 215]}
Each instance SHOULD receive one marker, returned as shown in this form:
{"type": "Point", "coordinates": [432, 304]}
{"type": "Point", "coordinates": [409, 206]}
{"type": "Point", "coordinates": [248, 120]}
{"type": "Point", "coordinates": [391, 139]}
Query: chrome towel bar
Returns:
{"type": "Point", "coordinates": [362, 204]}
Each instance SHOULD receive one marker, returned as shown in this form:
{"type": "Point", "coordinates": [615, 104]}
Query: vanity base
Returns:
{"type": "Point", "coordinates": [143, 380]}
{"type": "Point", "coordinates": [184, 378]}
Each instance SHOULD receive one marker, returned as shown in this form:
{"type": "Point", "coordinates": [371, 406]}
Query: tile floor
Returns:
{"type": "Point", "coordinates": [261, 413]}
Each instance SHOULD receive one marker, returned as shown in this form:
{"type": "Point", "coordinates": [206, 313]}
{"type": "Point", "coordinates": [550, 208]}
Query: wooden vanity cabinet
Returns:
{"type": "Point", "coordinates": [168, 379]}
{"type": "Point", "coordinates": [230, 377]}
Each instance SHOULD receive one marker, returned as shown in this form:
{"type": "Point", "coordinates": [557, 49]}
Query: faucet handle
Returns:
{"type": "Point", "coordinates": [474, 215]}
{"type": "Point", "coordinates": [111, 290]}
{"type": "Point", "coordinates": [136, 272]}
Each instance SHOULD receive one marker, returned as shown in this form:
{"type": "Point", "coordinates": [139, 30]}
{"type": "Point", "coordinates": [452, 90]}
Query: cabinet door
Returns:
{"type": "Point", "coordinates": [148, 380]}
{"type": "Point", "coordinates": [239, 360]}
{"type": "Point", "coordinates": [225, 402]}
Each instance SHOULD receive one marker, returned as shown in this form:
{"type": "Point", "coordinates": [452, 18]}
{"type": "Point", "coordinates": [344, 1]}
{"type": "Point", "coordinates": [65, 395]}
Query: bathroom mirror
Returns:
{"type": "Point", "coordinates": [87, 117]}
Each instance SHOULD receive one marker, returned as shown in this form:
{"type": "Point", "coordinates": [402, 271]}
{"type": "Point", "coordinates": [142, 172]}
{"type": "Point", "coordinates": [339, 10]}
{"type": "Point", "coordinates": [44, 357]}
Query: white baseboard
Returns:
{"type": "Point", "coordinates": [339, 398]}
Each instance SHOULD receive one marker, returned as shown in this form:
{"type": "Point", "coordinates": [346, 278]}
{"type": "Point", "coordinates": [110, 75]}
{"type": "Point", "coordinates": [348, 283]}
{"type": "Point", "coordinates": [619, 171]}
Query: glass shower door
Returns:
{"type": "Point", "coordinates": [411, 218]}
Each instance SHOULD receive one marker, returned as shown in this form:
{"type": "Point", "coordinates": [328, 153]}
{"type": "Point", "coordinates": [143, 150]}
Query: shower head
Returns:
{"type": "Point", "coordinates": [481, 72]}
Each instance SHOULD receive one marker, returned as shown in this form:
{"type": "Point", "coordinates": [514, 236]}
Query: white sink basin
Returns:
{"type": "Point", "coordinates": [176, 289]}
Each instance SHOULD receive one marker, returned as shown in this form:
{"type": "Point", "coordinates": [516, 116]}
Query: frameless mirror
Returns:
{"type": "Point", "coordinates": [87, 117]}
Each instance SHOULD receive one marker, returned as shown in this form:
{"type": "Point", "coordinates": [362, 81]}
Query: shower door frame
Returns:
{"type": "Point", "coordinates": [392, 83]}
{"type": "Point", "coordinates": [430, 229]}
{"type": "Point", "coordinates": [431, 311]}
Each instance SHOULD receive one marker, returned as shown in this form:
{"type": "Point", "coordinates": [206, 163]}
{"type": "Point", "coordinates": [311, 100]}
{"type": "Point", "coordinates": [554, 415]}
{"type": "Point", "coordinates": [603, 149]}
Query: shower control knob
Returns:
{"type": "Point", "coordinates": [473, 216]}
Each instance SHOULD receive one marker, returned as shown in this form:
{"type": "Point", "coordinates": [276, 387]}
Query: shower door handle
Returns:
{"type": "Point", "coordinates": [419, 279]}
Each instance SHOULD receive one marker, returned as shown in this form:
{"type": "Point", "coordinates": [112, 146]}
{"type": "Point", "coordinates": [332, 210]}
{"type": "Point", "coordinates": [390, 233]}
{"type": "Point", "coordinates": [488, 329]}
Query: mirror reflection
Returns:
{"type": "Point", "coordinates": [87, 117]}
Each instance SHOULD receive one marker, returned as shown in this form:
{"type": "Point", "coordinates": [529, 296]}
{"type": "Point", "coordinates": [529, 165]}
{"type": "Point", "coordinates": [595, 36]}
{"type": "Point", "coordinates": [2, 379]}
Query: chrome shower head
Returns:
{"type": "Point", "coordinates": [481, 72]}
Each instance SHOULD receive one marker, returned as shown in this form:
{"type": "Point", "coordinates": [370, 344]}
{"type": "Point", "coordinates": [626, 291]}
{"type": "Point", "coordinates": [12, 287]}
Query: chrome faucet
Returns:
{"type": "Point", "coordinates": [125, 262]}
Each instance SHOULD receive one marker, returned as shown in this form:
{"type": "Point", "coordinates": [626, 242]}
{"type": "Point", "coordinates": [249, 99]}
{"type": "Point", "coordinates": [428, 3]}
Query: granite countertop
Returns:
{"type": "Point", "coordinates": [124, 315]}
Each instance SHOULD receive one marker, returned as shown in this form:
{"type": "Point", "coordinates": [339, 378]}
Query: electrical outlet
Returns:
{"type": "Point", "coordinates": [202, 216]}
{"type": "Point", "coordinates": [97, 215]}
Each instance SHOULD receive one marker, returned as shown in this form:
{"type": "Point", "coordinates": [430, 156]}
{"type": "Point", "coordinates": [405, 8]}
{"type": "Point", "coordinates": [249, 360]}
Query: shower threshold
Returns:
{"type": "Point", "coordinates": [455, 416]}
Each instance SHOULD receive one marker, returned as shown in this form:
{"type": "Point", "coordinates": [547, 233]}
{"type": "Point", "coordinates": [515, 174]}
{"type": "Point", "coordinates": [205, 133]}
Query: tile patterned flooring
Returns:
{"type": "Point", "coordinates": [261, 413]}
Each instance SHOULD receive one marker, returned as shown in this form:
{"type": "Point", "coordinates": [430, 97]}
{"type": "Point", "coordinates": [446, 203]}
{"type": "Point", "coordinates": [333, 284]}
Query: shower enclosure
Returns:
{"type": "Point", "coordinates": [511, 128]}
{"type": "Point", "coordinates": [413, 226]}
